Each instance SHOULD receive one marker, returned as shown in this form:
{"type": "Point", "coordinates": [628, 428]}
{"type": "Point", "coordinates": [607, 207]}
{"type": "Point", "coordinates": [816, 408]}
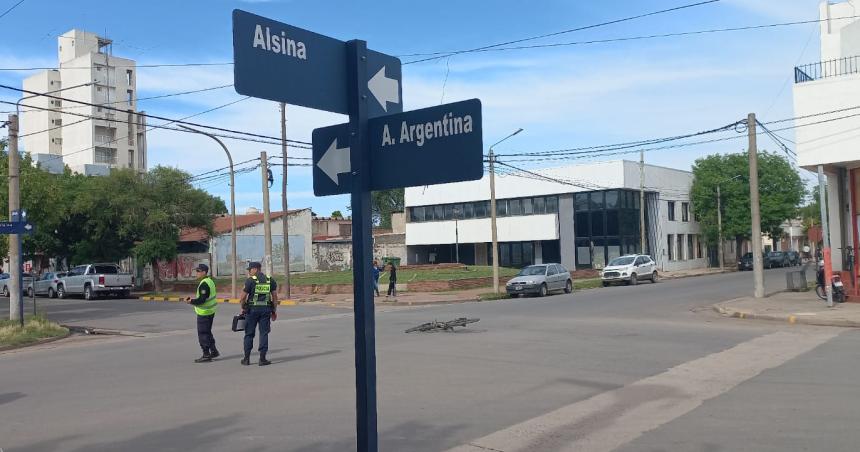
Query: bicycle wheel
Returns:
{"type": "Point", "coordinates": [422, 327]}
{"type": "Point", "coordinates": [819, 290]}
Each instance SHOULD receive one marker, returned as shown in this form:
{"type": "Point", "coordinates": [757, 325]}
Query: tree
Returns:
{"type": "Point", "coordinates": [168, 203]}
{"type": "Point", "coordinates": [337, 214]}
{"type": "Point", "coordinates": [811, 212]}
{"type": "Point", "coordinates": [780, 192]}
{"type": "Point", "coordinates": [384, 203]}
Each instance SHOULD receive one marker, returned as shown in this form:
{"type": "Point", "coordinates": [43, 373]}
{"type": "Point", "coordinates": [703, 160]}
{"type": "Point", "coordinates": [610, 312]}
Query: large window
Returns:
{"type": "Point", "coordinates": [690, 253]}
{"type": "Point", "coordinates": [670, 246]}
{"type": "Point", "coordinates": [515, 206]}
{"type": "Point", "coordinates": [670, 209]}
{"type": "Point", "coordinates": [539, 206]}
{"type": "Point", "coordinates": [481, 209]}
{"type": "Point", "coordinates": [552, 204]}
{"type": "Point", "coordinates": [680, 248]}
{"type": "Point", "coordinates": [685, 211]}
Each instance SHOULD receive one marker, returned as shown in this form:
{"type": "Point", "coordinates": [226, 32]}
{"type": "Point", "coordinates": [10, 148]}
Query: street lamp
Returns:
{"type": "Point", "coordinates": [493, 230]}
{"type": "Point", "coordinates": [722, 254]}
{"type": "Point", "coordinates": [233, 267]}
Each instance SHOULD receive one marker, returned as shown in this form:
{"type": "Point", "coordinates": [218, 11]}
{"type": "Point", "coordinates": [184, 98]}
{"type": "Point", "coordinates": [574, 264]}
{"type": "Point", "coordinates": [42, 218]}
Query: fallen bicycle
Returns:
{"type": "Point", "coordinates": [441, 326]}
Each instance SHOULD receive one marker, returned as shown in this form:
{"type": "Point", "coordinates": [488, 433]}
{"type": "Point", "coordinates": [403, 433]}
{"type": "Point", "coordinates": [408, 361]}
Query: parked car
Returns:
{"type": "Point", "coordinates": [630, 269]}
{"type": "Point", "coordinates": [94, 280]}
{"type": "Point", "coordinates": [793, 258]}
{"type": "Point", "coordinates": [47, 284]}
{"type": "Point", "coordinates": [4, 283]}
{"type": "Point", "coordinates": [540, 280]}
{"type": "Point", "coordinates": [776, 259]}
{"type": "Point", "coordinates": [746, 262]}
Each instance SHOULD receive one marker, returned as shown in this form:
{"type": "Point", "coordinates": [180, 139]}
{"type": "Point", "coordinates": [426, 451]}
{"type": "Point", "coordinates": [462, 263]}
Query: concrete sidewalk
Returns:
{"type": "Point", "coordinates": [792, 307]}
{"type": "Point", "coordinates": [695, 272]}
{"type": "Point", "coordinates": [402, 299]}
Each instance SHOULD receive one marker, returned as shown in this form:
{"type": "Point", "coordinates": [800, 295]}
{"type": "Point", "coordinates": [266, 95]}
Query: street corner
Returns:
{"type": "Point", "coordinates": [792, 308]}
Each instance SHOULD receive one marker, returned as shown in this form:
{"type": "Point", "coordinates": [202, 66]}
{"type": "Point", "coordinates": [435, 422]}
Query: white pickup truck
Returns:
{"type": "Point", "coordinates": [95, 280]}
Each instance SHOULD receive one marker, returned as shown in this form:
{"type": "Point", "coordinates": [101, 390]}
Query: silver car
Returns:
{"type": "Point", "coordinates": [4, 283]}
{"type": "Point", "coordinates": [540, 280]}
{"type": "Point", "coordinates": [46, 284]}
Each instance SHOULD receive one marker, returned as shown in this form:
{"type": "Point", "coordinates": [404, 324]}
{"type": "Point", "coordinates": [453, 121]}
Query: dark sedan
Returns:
{"type": "Point", "coordinates": [776, 259]}
{"type": "Point", "coordinates": [746, 262]}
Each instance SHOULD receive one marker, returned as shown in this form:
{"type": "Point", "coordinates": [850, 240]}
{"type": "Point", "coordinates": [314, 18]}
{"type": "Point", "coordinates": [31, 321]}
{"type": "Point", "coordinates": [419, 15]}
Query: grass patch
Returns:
{"type": "Point", "coordinates": [35, 328]}
{"type": "Point", "coordinates": [582, 284]}
{"type": "Point", "coordinates": [404, 275]}
{"type": "Point", "coordinates": [493, 296]}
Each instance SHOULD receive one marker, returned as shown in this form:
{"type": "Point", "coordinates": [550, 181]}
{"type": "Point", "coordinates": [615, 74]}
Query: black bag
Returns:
{"type": "Point", "coordinates": [239, 322]}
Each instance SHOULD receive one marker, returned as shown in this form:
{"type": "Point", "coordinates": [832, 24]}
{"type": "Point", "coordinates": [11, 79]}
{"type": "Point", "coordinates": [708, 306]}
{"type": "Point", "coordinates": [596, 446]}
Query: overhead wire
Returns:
{"type": "Point", "coordinates": [156, 65]}
{"type": "Point", "coordinates": [10, 9]}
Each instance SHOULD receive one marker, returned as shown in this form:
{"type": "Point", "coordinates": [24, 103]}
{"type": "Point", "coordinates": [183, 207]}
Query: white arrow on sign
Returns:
{"type": "Point", "coordinates": [334, 161]}
{"type": "Point", "coordinates": [28, 226]}
{"type": "Point", "coordinates": [384, 89]}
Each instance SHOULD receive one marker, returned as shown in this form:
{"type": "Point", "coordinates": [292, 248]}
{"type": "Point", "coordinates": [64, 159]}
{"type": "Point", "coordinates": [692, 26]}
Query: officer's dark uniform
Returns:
{"type": "Point", "coordinates": [258, 308]}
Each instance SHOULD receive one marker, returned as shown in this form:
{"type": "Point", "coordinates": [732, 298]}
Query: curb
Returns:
{"type": "Point", "coordinates": [695, 275]}
{"type": "Point", "coordinates": [47, 340]}
{"type": "Point", "coordinates": [788, 318]}
{"type": "Point", "coordinates": [220, 300]}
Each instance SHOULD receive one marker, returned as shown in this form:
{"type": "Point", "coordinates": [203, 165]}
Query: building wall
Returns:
{"type": "Point", "coordinates": [509, 229]}
{"type": "Point", "coordinates": [332, 256]}
{"type": "Point", "coordinates": [839, 38]}
{"type": "Point", "coordinates": [34, 121]}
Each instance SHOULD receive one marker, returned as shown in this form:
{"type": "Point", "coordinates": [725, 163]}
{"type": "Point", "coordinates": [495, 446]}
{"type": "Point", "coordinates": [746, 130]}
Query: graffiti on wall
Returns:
{"type": "Point", "coordinates": [181, 268]}
{"type": "Point", "coordinates": [250, 248]}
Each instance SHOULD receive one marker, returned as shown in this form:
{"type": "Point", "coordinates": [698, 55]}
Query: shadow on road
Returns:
{"type": "Point", "coordinates": [11, 397]}
{"type": "Point", "coordinates": [411, 436]}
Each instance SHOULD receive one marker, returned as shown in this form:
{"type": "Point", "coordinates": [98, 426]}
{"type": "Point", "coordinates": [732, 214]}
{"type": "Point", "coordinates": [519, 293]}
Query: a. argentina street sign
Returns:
{"type": "Point", "coordinates": [16, 227]}
{"type": "Point", "coordinates": [283, 63]}
{"type": "Point", "coordinates": [434, 145]}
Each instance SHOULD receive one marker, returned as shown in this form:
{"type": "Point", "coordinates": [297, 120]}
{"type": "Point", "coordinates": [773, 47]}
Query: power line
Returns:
{"type": "Point", "coordinates": [158, 65]}
{"type": "Point", "coordinates": [10, 9]}
{"type": "Point", "coordinates": [146, 115]}
{"type": "Point", "coordinates": [439, 55]}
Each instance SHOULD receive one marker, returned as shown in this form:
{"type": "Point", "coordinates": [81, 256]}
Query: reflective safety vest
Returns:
{"type": "Point", "coordinates": [209, 306]}
{"type": "Point", "coordinates": [262, 292]}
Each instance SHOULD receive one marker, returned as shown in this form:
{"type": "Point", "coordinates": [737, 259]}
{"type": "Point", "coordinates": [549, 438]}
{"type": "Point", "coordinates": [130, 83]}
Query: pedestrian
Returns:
{"type": "Point", "coordinates": [375, 270]}
{"type": "Point", "coordinates": [205, 305]}
{"type": "Point", "coordinates": [259, 304]}
{"type": "Point", "coordinates": [392, 280]}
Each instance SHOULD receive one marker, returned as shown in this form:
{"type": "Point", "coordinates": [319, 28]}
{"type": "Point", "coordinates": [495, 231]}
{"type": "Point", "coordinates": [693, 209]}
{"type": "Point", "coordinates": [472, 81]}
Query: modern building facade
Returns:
{"type": "Point", "coordinates": [581, 216]}
{"type": "Point", "coordinates": [89, 139]}
{"type": "Point", "coordinates": [826, 101]}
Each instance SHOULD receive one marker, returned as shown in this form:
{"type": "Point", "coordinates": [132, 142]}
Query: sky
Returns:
{"type": "Point", "coordinates": [563, 97]}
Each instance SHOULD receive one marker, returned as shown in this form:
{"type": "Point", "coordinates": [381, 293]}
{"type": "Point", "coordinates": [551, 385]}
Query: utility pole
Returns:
{"type": "Point", "coordinates": [267, 216]}
{"type": "Point", "coordinates": [16, 300]}
{"type": "Point", "coordinates": [493, 222]}
{"type": "Point", "coordinates": [642, 201]}
{"type": "Point", "coordinates": [234, 267]}
{"type": "Point", "coordinates": [825, 236]}
{"type": "Point", "coordinates": [720, 229]}
{"type": "Point", "coordinates": [755, 209]}
{"type": "Point", "coordinates": [457, 240]}
{"type": "Point", "coordinates": [286, 218]}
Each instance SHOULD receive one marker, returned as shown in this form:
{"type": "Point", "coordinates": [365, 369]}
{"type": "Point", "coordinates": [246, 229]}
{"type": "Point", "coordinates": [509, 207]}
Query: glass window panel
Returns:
{"type": "Point", "coordinates": [580, 201]}
{"type": "Point", "coordinates": [635, 202]}
{"type": "Point", "coordinates": [690, 254]}
{"type": "Point", "coordinates": [581, 224]}
{"type": "Point", "coordinates": [505, 254]}
{"type": "Point", "coordinates": [469, 210]}
{"type": "Point", "coordinates": [612, 226]}
{"type": "Point", "coordinates": [480, 210]}
{"type": "Point", "coordinates": [540, 206]}
{"type": "Point", "coordinates": [551, 204]}
{"type": "Point", "coordinates": [596, 202]}
{"type": "Point", "coordinates": [501, 207]}
{"type": "Point", "coordinates": [613, 248]}
{"type": "Point", "coordinates": [599, 254]}
{"type": "Point", "coordinates": [583, 253]}
{"type": "Point", "coordinates": [670, 246]}
{"type": "Point", "coordinates": [679, 252]}
{"type": "Point", "coordinates": [685, 211]}
{"type": "Point", "coordinates": [528, 253]}
{"type": "Point", "coordinates": [597, 223]}
{"type": "Point", "coordinates": [515, 206]}
{"type": "Point", "coordinates": [449, 212]}
{"type": "Point", "coordinates": [516, 255]}
{"type": "Point", "coordinates": [417, 214]}
{"type": "Point", "coordinates": [624, 200]}
{"type": "Point", "coordinates": [438, 213]}
{"type": "Point", "coordinates": [528, 208]}
{"type": "Point", "coordinates": [670, 210]}
{"type": "Point", "coordinates": [459, 212]}
{"type": "Point", "coordinates": [612, 200]}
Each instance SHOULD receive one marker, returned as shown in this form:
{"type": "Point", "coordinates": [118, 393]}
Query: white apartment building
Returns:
{"type": "Point", "coordinates": [827, 101]}
{"type": "Point", "coordinates": [89, 139]}
{"type": "Point", "coordinates": [588, 216]}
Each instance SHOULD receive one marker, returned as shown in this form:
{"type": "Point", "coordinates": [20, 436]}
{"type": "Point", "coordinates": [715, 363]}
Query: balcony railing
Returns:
{"type": "Point", "coordinates": [827, 69]}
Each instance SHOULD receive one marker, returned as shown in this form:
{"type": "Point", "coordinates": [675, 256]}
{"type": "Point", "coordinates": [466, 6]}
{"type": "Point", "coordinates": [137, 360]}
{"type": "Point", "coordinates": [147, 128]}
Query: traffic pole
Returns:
{"type": "Point", "coordinates": [642, 201]}
{"type": "Point", "coordinates": [285, 219]}
{"type": "Point", "coordinates": [493, 230]}
{"type": "Point", "coordinates": [362, 249]}
{"type": "Point", "coordinates": [825, 237]}
{"type": "Point", "coordinates": [267, 216]}
{"type": "Point", "coordinates": [755, 209]}
{"type": "Point", "coordinates": [722, 254]}
{"type": "Point", "coordinates": [16, 299]}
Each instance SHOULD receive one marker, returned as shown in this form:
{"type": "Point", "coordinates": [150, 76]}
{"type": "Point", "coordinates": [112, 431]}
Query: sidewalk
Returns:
{"type": "Point", "coordinates": [695, 272]}
{"type": "Point", "coordinates": [792, 307]}
{"type": "Point", "coordinates": [402, 299]}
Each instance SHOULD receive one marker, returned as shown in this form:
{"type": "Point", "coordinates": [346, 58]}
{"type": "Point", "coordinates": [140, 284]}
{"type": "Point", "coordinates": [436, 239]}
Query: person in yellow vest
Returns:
{"type": "Point", "coordinates": [259, 303]}
{"type": "Point", "coordinates": [205, 305]}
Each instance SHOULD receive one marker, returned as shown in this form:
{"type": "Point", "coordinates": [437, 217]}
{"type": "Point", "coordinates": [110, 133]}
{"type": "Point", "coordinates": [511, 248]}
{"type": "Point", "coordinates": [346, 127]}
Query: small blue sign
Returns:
{"type": "Point", "coordinates": [283, 63]}
{"type": "Point", "coordinates": [16, 227]}
{"type": "Point", "coordinates": [434, 145]}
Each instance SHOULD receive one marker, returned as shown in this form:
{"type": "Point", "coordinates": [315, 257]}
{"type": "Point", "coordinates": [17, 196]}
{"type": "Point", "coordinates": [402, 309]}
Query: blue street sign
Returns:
{"type": "Point", "coordinates": [16, 227]}
{"type": "Point", "coordinates": [434, 145]}
{"type": "Point", "coordinates": [283, 63]}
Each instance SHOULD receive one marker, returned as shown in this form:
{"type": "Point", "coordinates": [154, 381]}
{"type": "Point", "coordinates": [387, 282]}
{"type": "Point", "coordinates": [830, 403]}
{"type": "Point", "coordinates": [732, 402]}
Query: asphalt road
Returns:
{"type": "Point", "coordinates": [645, 368]}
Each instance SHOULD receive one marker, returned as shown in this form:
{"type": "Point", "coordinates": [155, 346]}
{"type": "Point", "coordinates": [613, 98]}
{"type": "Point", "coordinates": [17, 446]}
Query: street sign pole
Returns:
{"type": "Point", "coordinates": [362, 250]}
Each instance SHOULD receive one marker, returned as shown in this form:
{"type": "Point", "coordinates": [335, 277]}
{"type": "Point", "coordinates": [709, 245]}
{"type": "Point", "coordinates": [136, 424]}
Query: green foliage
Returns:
{"type": "Point", "coordinates": [780, 188]}
{"type": "Point", "coordinates": [384, 203]}
{"type": "Point", "coordinates": [337, 214]}
{"type": "Point", "coordinates": [810, 213]}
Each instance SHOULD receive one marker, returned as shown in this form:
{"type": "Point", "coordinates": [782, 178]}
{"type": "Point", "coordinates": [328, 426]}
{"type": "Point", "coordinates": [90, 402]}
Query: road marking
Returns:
{"type": "Point", "coordinates": [614, 418]}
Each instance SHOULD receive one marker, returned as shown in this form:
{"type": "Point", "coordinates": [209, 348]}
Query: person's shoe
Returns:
{"type": "Point", "coordinates": [264, 361]}
{"type": "Point", "coordinates": [214, 354]}
{"type": "Point", "coordinates": [204, 359]}
{"type": "Point", "coordinates": [246, 361]}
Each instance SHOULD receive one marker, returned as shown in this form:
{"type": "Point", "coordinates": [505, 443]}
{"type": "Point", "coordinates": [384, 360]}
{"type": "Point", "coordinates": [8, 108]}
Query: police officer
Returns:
{"type": "Point", "coordinates": [205, 306]}
{"type": "Point", "coordinates": [259, 304]}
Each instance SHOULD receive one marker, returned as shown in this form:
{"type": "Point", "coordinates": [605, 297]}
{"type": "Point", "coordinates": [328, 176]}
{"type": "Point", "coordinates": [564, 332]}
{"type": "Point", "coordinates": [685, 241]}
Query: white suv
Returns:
{"type": "Point", "coordinates": [629, 269]}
